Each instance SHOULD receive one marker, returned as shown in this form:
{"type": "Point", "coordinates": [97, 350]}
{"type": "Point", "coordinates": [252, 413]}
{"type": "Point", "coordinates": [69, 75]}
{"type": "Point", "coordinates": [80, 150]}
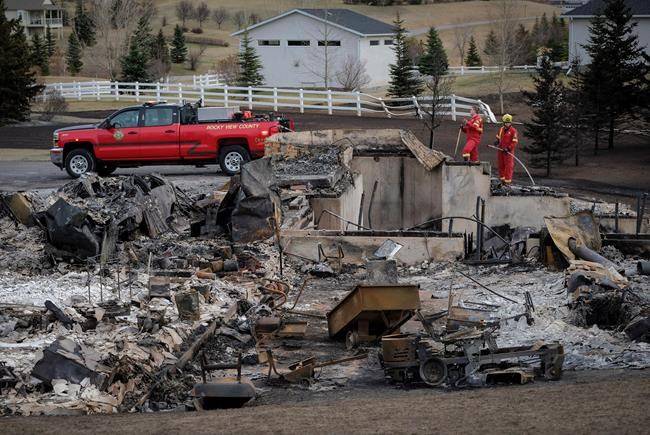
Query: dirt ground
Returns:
{"type": "Point", "coordinates": [583, 402]}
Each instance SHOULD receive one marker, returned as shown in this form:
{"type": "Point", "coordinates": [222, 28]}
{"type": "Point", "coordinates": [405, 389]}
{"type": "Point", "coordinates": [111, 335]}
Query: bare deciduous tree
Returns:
{"type": "Point", "coordinates": [201, 13]}
{"type": "Point", "coordinates": [228, 69]}
{"type": "Point", "coordinates": [114, 24]}
{"type": "Point", "coordinates": [239, 19]}
{"type": "Point", "coordinates": [220, 15]}
{"type": "Point", "coordinates": [253, 18]}
{"type": "Point", "coordinates": [508, 14]}
{"type": "Point", "coordinates": [461, 39]}
{"type": "Point", "coordinates": [322, 60]}
{"type": "Point", "coordinates": [195, 55]}
{"type": "Point", "coordinates": [352, 74]}
{"type": "Point", "coordinates": [184, 11]}
{"type": "Point", "coordinates": [433, 102]}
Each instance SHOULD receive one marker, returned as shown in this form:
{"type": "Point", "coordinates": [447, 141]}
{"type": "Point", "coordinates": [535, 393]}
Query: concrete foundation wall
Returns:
{"type": "Point", "coordinates": [524, 211]}
{"type": "Point", "coordinates": [358, 248]}
{"type": "Point", "coordinates": [460, 187]}
{"type": "Point", "coordinates": [406, 195]}
{"type": "Point", "coordinates": [346, 206]}
{"type": "Point", "coordinates": [626, 225]}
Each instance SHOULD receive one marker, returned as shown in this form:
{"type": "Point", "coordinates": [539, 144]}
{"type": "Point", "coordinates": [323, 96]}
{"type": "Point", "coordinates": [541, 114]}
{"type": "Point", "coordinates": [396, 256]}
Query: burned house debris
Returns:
{"type": "Point", "coordinates": [343, 258]}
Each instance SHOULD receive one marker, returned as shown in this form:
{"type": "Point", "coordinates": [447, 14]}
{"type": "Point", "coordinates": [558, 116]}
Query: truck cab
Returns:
{"type": "Point", "coordinates": [165, 134]}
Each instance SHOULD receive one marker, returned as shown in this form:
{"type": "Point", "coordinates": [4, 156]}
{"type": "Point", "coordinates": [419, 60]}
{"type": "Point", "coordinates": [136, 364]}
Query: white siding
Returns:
{"type": "Point", "coordinates": [579, 35]}
{"type": "Point", "coordinates": [296, 66]}
{"type": "Point", "coordinates": [377, 58]}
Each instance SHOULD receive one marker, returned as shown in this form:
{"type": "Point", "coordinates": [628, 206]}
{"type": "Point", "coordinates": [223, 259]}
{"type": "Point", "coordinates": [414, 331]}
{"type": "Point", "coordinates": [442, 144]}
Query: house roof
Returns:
{"type": "Point", "coordinates": [29, 5]}
{"type": "Point", "coordinates": [346, 19]}
{"type": "Point", "coordinates": [639, 7]}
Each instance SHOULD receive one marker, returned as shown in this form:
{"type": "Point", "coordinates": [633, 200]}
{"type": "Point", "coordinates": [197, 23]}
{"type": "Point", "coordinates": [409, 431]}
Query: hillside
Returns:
{"type": "Point", "coordinates": [417, 19]}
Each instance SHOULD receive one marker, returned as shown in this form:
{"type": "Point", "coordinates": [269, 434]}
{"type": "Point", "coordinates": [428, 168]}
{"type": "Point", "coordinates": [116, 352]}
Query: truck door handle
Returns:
{"type": "Point", "coordinates": [133, 132]}
{"type": "Point", "coordinates": [170, 131]}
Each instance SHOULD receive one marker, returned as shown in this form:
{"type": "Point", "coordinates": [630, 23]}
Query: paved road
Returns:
{"type": "Point", "coordinates": [44, 175]}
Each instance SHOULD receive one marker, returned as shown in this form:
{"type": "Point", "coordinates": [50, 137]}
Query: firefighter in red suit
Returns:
{"type": "Point", "coordinates": [473, 128]}
{"type": "Point", "coordinates": [507, 141]}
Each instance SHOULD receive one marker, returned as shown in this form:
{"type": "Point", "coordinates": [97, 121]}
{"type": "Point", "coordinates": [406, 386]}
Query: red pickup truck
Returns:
{"type": "Point", "coordinates": [164, 134]}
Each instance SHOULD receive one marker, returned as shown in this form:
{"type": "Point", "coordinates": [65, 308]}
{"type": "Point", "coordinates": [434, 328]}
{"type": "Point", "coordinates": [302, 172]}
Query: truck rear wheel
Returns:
{"type": "Point", "coordinates": [78, 162]}
{"type": "Point", "coordinates": [231, 159]}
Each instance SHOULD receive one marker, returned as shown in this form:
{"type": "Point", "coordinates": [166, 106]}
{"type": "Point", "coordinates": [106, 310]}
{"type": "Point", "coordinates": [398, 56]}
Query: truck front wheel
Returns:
{"type": "Point", "coordinates": [231, 159]}
{"type": "Point", "coordinates": [78, 162]}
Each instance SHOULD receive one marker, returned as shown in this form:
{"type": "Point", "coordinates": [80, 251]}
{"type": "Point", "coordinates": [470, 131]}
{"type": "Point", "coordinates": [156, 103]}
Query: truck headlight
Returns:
{"type": "Point", "coordinates": [55, 138]}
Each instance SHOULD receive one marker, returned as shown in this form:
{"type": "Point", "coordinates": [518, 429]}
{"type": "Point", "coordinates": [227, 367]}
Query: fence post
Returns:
{"type": "Point", "coordinates": [116, 90]}
{"type": "Point", "coordinates": [45, 93]}
{"type": "Point", "coordinates": [482, 68]}
{"type": "Point", "coordinates": [462, 70]}
{"type": "Point", "coordinates": [158, 92]}
{"type": "Point", "coordinates": [275, 99]}
{"type": "Point", "coordinates": [97, 87]}
{"type": "Point", "coordinates": [137, 92]}
{"type": "Point", "coordinates": [250, 98]}
{"type": "Point", "coordinates": [76, 85]}
{"type": "Point", "coordinates": [329, 101]}
{"type": "Point", "coordinates": [180, 93]}
{"type": "Point", "coordinates": [202, 88]}
{"type": "Point", "coordinates": [358, 103]}
{"type": "Point", "coordinates": [416, 106]}
{"type": "Point", "coordinates": [194, 79]}
{"type": "Point", "coordinates": [453, 107]}
{"type": "Point", "coordinates": [225, 95]}
{"type": "Point", "coordinates": [301, 96]}
{"type": "Point", "coordinates": [383, 106]}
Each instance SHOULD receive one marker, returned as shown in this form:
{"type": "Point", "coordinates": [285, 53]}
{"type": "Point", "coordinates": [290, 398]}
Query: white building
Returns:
{"type": "Point", "coordinates": [35, 15]}
{"type": "Point", "coordinates": [301, 47]}
{"type": "Point", "coordinates": [579, 18]}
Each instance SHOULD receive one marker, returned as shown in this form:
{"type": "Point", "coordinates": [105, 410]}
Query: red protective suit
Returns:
{"type": "Point", "coordinates": [508, 140]}
{"type": "Point", "coordinates": [473, 128]}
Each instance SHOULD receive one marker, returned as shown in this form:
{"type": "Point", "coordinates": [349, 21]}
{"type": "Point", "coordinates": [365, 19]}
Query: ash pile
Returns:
{"type": "Point", "coordinates": [127, 294]}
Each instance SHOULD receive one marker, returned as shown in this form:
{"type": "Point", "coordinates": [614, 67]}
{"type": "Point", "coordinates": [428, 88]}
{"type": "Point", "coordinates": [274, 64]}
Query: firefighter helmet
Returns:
{"type": "Point", "coordinates": [507, 118]}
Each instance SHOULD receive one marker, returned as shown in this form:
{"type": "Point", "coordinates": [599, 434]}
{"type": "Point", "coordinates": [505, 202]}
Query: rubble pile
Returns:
{"type": "Point", "coordinates": [127, 294]}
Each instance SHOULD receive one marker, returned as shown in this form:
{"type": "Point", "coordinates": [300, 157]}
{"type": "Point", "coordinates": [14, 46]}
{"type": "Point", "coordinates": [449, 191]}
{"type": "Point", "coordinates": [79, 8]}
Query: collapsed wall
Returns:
{"type": "Point", "coordinates": [396, 185]}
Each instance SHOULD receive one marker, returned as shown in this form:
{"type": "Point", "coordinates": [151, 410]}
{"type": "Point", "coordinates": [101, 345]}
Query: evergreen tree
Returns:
{"type": "Point", "coordinates": [179, 49]}
{"type": "Point", "coordinates": [546, 142]}
{"type": "Point", "coordinates": [615, 82]}
{"type": "Point", "coordinates": [249, 64]}
{"type": "Point", "coordinates": [527, 53]}
{"type": "Point", "coordinates": [39, 54]}
{"type": "Point", "coordinates": [403, 82]}
{"type": "Point", "coordinates": [17, 83]}
{"type": "Point", "coordinates": [50, 43]}
{"type": "Point", "coordinates": [143, 37]}
{"type": "Point", "coordinates": [491, 44]}
{"type": "Point", "coordinates": [161, 49]}
{"type": "Point", "coordinates": [473, 58]}
{"type": "Point", "coordinates": [434, 60]}
{"type": "Point", "coordinates": [83, 25]}
{"type": "Point", "coordinates": [73, 56]}
{"type": "Point", "coordinates": [135, 64]}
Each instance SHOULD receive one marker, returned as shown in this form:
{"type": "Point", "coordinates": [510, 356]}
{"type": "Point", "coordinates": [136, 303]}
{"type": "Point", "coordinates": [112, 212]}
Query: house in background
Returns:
{"type": "Point", "coordinates": [579, 20]}
{"type": "Point", "coordinates": [301, 47]}
{"type": "Point", "coordinates": [36, 15]}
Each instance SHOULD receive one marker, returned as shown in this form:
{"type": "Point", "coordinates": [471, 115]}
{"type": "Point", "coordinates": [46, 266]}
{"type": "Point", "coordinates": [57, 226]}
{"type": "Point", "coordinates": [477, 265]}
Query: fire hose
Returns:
{"type": "Point", "coordinates": [518, 161]}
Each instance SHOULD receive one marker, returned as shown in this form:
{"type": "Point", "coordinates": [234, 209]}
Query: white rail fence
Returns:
{"type": "Point", "coordinates": [269, 98]}
{"type": "Point", "coordinates": [465, 70]}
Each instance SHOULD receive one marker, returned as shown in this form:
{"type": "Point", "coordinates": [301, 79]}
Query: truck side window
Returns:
{"type": "Point", "coordinates": [127, 119]}
{"type": "Point", "coordinates": [158, 116]}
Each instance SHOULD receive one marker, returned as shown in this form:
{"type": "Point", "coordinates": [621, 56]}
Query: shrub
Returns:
{"type": "Point", "coordinates": [54, 104]}
{"type": "Point", "coordinates": [197, 30]}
